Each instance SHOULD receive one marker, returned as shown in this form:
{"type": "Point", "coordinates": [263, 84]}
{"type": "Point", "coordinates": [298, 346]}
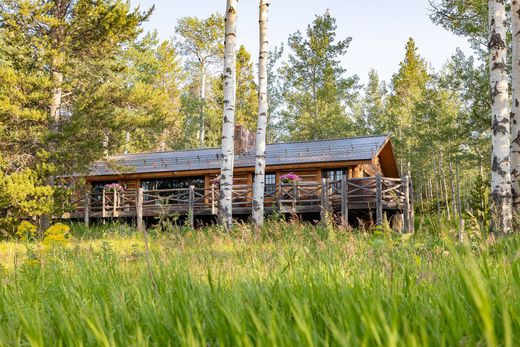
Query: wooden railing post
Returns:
{"type": "Point", "coordinates": [280, 195]}
{"type": "Point", "coordinates": [139, 208]}
{"type": "Point", "coordinates": [344, 201]}
{"type": "Point", "coordinates": [87, 209]}
{"type": "Point", "coordinates": [324, 199]}
{"type": "Point", "coordinates": [411, 207]}
{"type": "Point", "coordinates": [379, 200]}
{"type": "Point", "coordinates": [295, 196]}
{"type": "Point", "coordinates": [114, 204]}
{"type": "Point", "coordinates": [191, 198]}
{"type": "Point", "coordinates": [406, 206]}
{"type": "Point", "coordinates": [213, 205]}
{"type": "Point", "coordinates": [103, 203]}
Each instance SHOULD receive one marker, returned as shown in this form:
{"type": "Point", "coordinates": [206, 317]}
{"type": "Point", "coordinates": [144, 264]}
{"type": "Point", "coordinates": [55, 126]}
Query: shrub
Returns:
{"type": "Point", "coordinates": [26, 231]}
{"type": "Point", "coordinates": [57, 234]}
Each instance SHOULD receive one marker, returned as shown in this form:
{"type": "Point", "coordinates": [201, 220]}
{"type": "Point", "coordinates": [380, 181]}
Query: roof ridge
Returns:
{"type": "Point", "coordinates": [333, 139]}
{"type": "Point", "coordinates": [159, 152]}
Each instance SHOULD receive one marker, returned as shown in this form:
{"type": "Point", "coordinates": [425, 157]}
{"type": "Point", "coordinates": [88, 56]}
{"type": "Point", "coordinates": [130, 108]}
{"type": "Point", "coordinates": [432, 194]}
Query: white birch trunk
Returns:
{"type": "Point", "coordinates": [202, 120]}
{"type": "Point", "coordinates": [515, 108]}
{"type": "Point", "coordinates": [500, 169]}
{"type": "Point", "coordinates": [228, 126]}
{"type": "Point", "coordinates": [259, 182]}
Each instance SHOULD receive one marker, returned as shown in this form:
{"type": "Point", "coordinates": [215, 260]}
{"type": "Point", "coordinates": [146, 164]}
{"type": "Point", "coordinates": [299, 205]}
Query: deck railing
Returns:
{"type": "Point", "coordinates": [370, 193]}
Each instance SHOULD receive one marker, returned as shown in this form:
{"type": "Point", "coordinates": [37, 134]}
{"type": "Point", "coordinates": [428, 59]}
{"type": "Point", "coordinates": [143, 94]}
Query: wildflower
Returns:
{"type": "Point", "coordinates": [26, 231]}
{"type": "Point", "coordinates": [57, 234]}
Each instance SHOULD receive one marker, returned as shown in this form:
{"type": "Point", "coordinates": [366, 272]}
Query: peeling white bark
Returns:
{"type": "Point", "coordinates": [202, 121]}
{"type": "Point", "coordinates": [259, 182]}
{"type": "Point", "coordinates": [228, 126]}
{"type": "Point", "coordinates": [500, 169]}
{"type": "Point", "coordinates": [515, 108]}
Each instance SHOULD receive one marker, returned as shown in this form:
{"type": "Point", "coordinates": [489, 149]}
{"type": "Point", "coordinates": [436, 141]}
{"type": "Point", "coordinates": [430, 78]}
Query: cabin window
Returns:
{"type": "Point", "coordinates": [97, 192]}
{"type": "Point", "coordinates": [167, 188]}
{"type": "Point", "coordinates": [172, 183]}
{"type": "Point", "coordinates": [334, 177]}
{"type": "Point", "coordinates": [270, 183]}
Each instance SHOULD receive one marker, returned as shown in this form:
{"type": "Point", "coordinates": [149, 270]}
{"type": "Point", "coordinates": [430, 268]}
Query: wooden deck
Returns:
{"type": "Point", "coordinates": [372, 194]}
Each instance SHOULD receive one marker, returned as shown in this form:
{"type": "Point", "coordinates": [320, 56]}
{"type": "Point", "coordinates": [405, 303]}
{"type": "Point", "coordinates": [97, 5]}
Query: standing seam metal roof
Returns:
{"type": "Point", "coordinates": [345, 149]}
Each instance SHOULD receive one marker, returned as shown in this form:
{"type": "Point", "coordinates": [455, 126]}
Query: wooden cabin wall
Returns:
{"type": "Point", "coordinates": [306, 175]}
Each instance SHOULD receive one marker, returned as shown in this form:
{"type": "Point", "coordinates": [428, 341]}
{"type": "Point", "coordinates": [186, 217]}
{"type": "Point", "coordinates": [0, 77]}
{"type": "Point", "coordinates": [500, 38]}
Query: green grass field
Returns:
{"type": "Point", "coordinates": [288, 284]}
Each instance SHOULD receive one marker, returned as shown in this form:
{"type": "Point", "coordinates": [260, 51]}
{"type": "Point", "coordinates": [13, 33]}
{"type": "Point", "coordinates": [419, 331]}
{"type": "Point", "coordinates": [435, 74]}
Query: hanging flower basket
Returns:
{"type": "Point", "coordinates": [290, 177]}
{"type": "Point", "coordinates": [114, 187]}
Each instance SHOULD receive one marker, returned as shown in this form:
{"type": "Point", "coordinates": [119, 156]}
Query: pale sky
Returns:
{"type": "Point", "coordinates": [379, 28]}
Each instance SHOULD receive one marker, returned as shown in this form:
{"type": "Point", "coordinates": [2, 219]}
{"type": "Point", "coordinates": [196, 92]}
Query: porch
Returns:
{"type": "Point", "coordinates": [372, 196]}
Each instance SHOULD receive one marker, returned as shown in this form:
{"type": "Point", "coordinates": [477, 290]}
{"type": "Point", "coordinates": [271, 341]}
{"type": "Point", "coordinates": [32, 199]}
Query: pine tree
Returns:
{"type": "Point", "coordinates": [369, 119]}
{"type": "Point", "coordinates": [316, 91]}
{"type": "Point", "coordinates": [409, 87]}
{"type": "Point", "coordinates": [247, 94]}
{"type": "Point", "coordinates": [60, 59]}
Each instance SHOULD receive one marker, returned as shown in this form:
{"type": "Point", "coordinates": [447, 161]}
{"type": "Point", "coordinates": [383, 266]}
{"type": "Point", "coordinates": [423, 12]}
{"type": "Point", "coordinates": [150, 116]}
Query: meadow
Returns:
{"type": "Point", "coordinates": [288, 284]}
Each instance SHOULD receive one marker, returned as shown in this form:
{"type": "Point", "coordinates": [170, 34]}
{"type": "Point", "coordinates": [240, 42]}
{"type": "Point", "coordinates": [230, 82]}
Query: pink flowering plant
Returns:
{"type": "Point", "coordinates": [216, 181]}
{"type": "Point", "coordinates": [290, 177]}
{"type": "Point", "coordinates": [114, 187]}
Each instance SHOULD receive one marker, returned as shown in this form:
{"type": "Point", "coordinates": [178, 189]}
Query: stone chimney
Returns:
{"type": "Point", "coordinates": [244, 140]}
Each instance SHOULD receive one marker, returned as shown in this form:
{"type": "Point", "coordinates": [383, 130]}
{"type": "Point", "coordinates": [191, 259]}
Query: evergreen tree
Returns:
{"type": "Point", "coordinates": [409, 87]}
{"type": "Point", "coordinates": [152, 114]}
{"type": "Point", "coordinates": [247, 94]}
{"type": "Point", "coordinates": [369, 118]}
{"type": "Point", "coordinates": [59, 71]}
{"type": "Point", "coordinates": [316, 91]}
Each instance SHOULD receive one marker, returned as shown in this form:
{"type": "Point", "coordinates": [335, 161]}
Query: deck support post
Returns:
{"type": "Point", "coordinates": [280, 195]}
{"type": "Point", "coordinates": [114, 203]}
{"type": "Point", "coordinates": [139, 208]}
{"type": "Point", "coordinates": [295, 196]}
{"type": "Point", "coordinates": [379, 200]}
{"type": "Point", "coordinates": [213, 205]}
{"type": "Point", "coordinates": [191, 198]}
{"type": "Point", "coordinates": [411, 207]}
{"type": "Point", "coordinates": [87, 209]}
{"type": "Point", "coordinates": [324, 200]}
{"type": "Point", "coordinates": [406, 205]}
{"type": "Point", "coordinates": [103, 203]}
{"type": "Point", "coordinates": [344, 201]}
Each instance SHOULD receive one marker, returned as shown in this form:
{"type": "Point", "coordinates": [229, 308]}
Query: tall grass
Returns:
{"type": "Point", "coordinates": [288, 284]}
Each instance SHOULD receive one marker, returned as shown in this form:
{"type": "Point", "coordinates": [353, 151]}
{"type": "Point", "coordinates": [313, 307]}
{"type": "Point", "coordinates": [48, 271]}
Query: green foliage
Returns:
{"type": "Point", "coordinates": [285, 285]}
{"type": "Point", "coordinates": [371, 109]}
{"type": "Point", "coordinates": [57, 234]}
{"type": "Point", "coordinates": [26, 231]}
{"type": "Point", "coordinates": [316, 91]}
{"type": "Point", "coordinates": [23, 194]}
{"type": "Point", "coordinates": [468, 18]}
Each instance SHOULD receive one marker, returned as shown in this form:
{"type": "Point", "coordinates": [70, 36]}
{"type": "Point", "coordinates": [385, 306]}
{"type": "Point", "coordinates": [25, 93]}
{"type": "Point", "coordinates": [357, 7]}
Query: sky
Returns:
{"type": "Point", "coordinates": [379, 28]}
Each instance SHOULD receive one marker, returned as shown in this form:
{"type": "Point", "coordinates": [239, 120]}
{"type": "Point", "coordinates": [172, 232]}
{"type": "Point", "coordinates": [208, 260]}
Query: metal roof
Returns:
{"type": "Point", "coordinates": [346, 149]}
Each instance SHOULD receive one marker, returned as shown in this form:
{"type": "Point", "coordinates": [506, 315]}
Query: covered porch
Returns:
{"type": "Point", "coordinates": [371, 196]}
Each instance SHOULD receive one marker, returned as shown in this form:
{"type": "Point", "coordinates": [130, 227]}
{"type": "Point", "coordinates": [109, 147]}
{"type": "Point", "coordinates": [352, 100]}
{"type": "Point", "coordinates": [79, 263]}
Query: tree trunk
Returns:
{"type": "Point", "coordinates": [500, 169]}
{"type": "Point", "coordinates": [444, 185]}
{"type": "Point", "coordinates": [54, 112]}
{"type": "Point", "coordinates": [515, 108]}
{"type": "Point", "coordinates": [226, 173]}
{"type": "Point", "coordinates": [259, 183]}
{"type": "Point", "coordinates": [202, 119]}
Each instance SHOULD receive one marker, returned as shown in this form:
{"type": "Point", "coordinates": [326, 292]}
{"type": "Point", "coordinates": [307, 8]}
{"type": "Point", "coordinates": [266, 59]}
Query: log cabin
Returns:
{"type": "Point", "coordinates": [348, 178]}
